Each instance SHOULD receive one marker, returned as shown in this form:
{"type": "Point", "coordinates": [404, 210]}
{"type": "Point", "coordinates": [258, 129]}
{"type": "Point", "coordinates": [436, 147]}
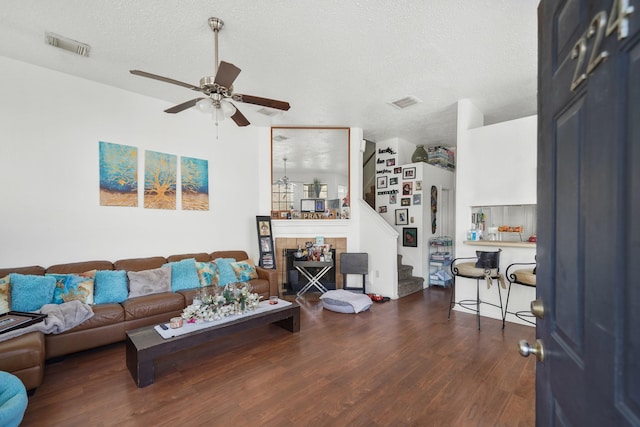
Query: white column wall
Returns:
{"type": "Point", "coordinates": [496, 165]}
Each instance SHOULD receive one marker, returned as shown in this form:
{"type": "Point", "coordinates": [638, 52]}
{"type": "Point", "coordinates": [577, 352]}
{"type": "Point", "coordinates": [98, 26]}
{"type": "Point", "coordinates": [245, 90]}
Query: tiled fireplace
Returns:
{"type": "Point", "coordinates": [291, 243]}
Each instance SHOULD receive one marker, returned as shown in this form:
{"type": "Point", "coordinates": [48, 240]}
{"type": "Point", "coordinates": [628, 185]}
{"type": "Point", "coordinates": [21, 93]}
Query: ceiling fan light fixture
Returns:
{"type": "Point", "coordinates": [285, 179]}
{"type": "Point", "coordinates": [217, 89]}
{"type": "Point", "coordinates": [205, 105]}
{"type": "Point", "coordinates": [228, 109]}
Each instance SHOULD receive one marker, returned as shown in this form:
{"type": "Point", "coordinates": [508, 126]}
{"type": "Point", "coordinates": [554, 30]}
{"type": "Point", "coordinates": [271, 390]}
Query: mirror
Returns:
{"type": "Point", "coordinates": [309, 173]}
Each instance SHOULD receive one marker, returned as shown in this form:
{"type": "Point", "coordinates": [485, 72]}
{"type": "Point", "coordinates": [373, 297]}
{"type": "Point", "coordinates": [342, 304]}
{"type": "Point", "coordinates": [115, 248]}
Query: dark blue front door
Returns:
{"type": "Point", "coordinates": [589, 213]}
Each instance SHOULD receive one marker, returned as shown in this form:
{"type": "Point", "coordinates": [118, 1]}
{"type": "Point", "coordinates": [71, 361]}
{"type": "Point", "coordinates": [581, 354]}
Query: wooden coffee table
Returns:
{"type": "Point", "coordinates": [145, 345]}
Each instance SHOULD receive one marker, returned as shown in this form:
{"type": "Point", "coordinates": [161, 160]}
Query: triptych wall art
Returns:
{"type": "Point", "coordinates": [119, 179]}
{"type": "Point", "coordinates": [118, 175]}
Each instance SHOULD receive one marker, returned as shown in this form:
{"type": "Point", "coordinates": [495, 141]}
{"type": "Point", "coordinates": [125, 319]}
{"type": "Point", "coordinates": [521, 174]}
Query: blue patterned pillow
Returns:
{"type": "Point", "coordinates": [184, 274]}
{"type": "Point", "coordinates": [71, 287]}
{"type": "Point", "coordinates": [29, 293]}
{"type": "Point", "coordinates": [208, 273]}
{"type": "Point", "coordinates": [227, 275]}
{"type": "Point", "coordinates": [110, 286]}
{"type": "Point", "coordinates": [245, 270]}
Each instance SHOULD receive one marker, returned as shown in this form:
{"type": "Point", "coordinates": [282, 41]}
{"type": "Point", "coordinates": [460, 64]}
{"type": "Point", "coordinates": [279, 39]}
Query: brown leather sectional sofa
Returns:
{"type": "Point", "coordinates": [24, 356]}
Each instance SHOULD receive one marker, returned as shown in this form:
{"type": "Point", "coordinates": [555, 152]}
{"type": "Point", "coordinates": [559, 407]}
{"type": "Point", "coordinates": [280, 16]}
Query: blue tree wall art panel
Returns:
{"type": "Point", "coordinates": [160, 180]}
{"type": "Point", "coordinates": [194, 178]}
{"type": "Point", "coordinates": [118, 174]}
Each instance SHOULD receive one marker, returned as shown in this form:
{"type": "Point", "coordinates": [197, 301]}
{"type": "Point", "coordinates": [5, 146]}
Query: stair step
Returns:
{"type": "Point", "coordinates": [409, 286]}
{"type": "Point", "coordinates": [405, 272]}
{"type": "Point", "coordinates": [407, 283]}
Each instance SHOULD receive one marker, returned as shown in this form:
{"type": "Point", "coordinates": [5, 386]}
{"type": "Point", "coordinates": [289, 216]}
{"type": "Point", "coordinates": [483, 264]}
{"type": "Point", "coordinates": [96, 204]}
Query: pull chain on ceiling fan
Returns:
{"type": "Point", "coordinates": [218, 89]}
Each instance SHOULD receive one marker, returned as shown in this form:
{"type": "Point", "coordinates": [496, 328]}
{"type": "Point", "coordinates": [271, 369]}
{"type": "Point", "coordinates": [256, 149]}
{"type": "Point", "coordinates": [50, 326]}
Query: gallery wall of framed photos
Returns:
{"type": "Point", "coordinates": [404, 197]}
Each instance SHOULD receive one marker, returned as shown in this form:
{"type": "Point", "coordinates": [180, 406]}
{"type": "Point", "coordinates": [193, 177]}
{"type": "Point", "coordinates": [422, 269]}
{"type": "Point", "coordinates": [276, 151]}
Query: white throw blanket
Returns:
{"type": "Point", "coordinates": [60, 318]}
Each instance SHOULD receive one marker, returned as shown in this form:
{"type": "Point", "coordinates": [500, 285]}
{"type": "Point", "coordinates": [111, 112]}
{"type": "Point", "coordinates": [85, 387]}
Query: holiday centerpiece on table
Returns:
{"type": "Point", "coordinates": [233, 299]}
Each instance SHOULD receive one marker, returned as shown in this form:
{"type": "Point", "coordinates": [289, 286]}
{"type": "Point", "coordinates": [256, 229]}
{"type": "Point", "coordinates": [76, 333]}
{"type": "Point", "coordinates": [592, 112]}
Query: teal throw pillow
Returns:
{"type": "Point", "coordinates": [70, 287]}
{"type": "Point", "coordinates": [110, 286]}
{"type": "Point", "coordinates": [29, 292]}
{"type": "Point", "coordinates": [227, 275]}
{"type": "Point", "coordinates": [183, 274]}
{"type": "Point", "coordinates": [208, 273]}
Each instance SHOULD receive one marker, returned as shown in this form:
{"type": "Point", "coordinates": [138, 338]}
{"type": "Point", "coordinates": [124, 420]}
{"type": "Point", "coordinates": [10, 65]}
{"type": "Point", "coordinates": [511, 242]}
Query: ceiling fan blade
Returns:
{"type": "Point", "coordinates": [239, 118]}
{"type": "Point", "coordinates": [226, 74]}
{"type": "Point", "coordinates": [183, 106]}
{"type": "Point", "coordinates": [265, 102]}
{"type": "Point", "coordinates": [165, 79]}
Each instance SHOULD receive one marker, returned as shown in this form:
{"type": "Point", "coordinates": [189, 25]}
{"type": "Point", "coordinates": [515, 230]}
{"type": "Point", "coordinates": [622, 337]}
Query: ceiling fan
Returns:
{"type": "Point", "coordinates": [218, 89]}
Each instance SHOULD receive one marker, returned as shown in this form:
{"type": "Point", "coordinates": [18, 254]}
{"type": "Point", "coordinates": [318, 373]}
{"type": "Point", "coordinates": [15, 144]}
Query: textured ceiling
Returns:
{"type": "Point", "coordinates": [336, 62]}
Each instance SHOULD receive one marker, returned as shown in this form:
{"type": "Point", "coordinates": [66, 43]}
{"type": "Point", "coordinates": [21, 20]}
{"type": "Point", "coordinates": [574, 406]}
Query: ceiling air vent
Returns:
{"type": "Point", "coordinates": [76, 47]}
{"type": "Point", "coordinates": [405, 102]}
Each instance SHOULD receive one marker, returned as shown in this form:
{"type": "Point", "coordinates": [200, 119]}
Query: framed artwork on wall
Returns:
{"type": "Point", "coordinates": [382, 182]}
{"type": "Point", "coordinates": [405, 201]}
{"type": "Point", "coordinates": [407, 188]}
{"type": "Point", "coordinates": [409, 173]}
{"type": "Point", "coordinates": [402, 216]}
{"type": "Point", "coordinates": [417, 199]}
{"type": "Point", "coordinates": [265, 244]}
{"type": "Point", "coordinates": [393, 180]}
{"type": "Point", "coordinates": [308, 205]}
{"type": "Point", "coordinates": [410, 237]}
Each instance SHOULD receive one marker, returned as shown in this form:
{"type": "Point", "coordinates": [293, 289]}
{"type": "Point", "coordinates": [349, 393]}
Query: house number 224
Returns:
{"type": "Point", "coordinates": [599, 28]}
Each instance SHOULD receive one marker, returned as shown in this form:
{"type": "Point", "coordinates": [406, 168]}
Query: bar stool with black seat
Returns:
{"type": "Point", "coordinates": [524, 277]}
{"type": "Point", "coordinates": [485, 265]}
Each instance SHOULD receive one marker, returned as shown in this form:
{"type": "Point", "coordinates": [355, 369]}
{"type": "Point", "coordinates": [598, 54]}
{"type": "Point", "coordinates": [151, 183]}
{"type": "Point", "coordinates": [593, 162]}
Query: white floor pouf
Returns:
{"type": "Point", "coordinates": [343, 301]}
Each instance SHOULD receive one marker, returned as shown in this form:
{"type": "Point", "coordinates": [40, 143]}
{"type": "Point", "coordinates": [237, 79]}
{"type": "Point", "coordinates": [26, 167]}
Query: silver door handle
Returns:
{"type": "Point", "coordinates": [525, 349]}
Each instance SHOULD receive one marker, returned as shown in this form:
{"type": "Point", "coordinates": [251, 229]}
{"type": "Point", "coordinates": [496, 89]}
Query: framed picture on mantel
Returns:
{"type": "Point", "coordinates": [265, 242]}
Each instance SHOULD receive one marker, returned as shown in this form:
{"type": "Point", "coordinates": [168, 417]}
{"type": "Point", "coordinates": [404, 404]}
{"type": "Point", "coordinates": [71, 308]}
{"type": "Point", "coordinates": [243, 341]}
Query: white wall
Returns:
{"type": "Point", "coordinates": [496, 165]}
{"type": "Point", "coordinates": [49, 169]}
{"type": "Point", "coordinates": [442, 179]}
{"type": "Point", "coordinates": [49, 172]}
{"type": "Point", "coordinates": [380, 239]}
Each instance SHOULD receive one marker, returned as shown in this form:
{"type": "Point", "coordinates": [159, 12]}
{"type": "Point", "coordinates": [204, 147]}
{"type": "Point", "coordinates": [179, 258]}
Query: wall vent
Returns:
{"type": "Point", "coordinates": [405, 102]}
{"type": "Point", "coordinates": [61, 42]}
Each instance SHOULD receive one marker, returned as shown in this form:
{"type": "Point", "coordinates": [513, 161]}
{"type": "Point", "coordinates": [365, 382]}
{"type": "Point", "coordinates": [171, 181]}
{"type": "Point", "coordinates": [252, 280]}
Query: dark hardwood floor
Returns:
{"type": "Point", "coordinates": [399, 364]}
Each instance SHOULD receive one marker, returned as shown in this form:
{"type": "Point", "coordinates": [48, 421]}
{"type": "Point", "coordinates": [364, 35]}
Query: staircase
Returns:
{"type": "Point", "coordinates": [370, 197]}
{"type": "Point", "coordinates": [407, 284]}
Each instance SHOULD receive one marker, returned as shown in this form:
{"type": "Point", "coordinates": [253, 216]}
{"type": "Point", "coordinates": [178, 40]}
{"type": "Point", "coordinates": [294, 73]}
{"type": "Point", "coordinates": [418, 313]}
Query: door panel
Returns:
{"type": "Point", "coordinates": [589, 213]}
{"type": "Point", "coordinates": [568, 314]}
{"type": "Point", "coordinates": [630, 346]}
